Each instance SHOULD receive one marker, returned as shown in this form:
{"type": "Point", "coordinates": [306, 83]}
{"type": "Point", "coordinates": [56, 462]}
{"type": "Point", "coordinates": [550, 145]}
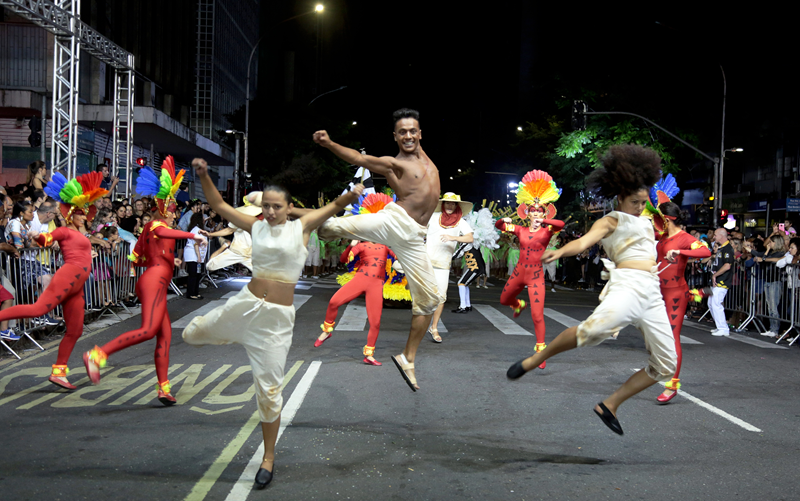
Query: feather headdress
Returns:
{"type": "Point", "coordinates": [77, 195]}
{"type": "Point", "coordinates": [371, 203]}
{"type": "Point", "coordinates": [162, 187]}
{"type": "Point", "coordinates": [537, 190]}
{"type": "Point", "coordinates": [661, 192]}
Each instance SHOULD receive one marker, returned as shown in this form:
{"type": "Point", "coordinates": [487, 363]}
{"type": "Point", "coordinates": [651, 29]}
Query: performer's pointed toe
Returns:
{"type": "Point", "coordinates": [62, 382]}
{"type": "Point", "coordinates": [515, 371]}
{"type": "Point", "coordinates": [263, 478]}
{"type": "Point", "coordinates": [609, 419]}
{"type": "Point", "coordinates": [371, 362]}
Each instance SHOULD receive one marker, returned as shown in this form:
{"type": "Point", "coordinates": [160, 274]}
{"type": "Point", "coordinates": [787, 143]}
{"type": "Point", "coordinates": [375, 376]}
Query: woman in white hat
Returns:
{"type": "Point", "coordinates": [240, 250]}
{"type": "Point", "coordinates": [446, 228]}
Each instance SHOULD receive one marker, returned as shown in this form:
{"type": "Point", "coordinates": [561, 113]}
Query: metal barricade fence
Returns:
{"type": "Point", "coordinates": [766, 294]}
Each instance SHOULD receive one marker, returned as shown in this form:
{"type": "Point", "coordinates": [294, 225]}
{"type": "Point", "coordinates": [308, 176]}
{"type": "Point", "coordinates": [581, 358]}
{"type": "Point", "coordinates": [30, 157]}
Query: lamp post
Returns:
{"type": "Point", "coordinates": [236, 165]}
{"type": "Point", "coordinates": [317, 10]}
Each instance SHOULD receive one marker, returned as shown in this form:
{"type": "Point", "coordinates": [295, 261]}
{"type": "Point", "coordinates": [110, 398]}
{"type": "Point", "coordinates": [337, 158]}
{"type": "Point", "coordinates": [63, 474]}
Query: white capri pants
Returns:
{"type": "Point", "coordinates": [265, 331]}
{"type": "Point", "coordinates": [633, 297]}
{"type": "Point", "coordinates": [550, 268]}
{"type": "Point", "coordinates": [394, 228]}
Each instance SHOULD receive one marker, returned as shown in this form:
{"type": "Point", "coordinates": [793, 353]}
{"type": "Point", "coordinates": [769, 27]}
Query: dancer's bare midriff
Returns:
{"type": "Point", "coordinates": [272, 291]}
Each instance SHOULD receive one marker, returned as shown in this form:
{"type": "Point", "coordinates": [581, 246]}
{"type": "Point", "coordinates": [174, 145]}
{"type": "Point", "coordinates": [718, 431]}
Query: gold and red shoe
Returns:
{"type": "Point", "coordinates": [164, 395]}
{"type": "Point", "coordinates": [94, 360]}
{"type": "Point", "coordinates": [59, 377]}
{"type": "Point", "coordinates": [521, 305]}
{"type": "Point", "coordinates": [540, 347]}
{"type": "Point", "coordinates": [673, 386]}
{"type": "Point", "coordinates": [327, 328]}
{"type": "Point", "coordinates": [369, 351]}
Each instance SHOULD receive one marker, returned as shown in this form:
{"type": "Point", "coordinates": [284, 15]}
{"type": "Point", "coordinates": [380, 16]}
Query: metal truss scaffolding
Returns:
{"type": "Point", "coordinates": [202, 113]}
{"type": "Point", "coordinates": [62, 18]}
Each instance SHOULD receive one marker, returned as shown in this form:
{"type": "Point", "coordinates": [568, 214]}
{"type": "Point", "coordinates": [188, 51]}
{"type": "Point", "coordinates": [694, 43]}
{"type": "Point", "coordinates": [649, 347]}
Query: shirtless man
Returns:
{"type": "Point", "coordinates": [401, 226]}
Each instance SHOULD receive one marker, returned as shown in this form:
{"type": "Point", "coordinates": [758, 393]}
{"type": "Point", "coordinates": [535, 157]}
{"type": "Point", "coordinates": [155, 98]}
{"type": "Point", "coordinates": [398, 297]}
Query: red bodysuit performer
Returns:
{"type": "Point", "coordinates": [674, 248]}
{"type": "Point", "coordinates": [368, 280]}
{"type": "Point", "coordinates": [536, 193]}
{"type": "Point", "coordinates": [66, 287]}
{"type": "Point", "coordinates": [155, 249]}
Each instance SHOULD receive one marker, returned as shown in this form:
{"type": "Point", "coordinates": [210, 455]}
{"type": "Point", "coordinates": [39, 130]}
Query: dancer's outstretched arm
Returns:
{"type": "Point", "coordinates": [316, 217]}
{"type": "Point", "coordinates": [384, 166]}
{"type": "Point", "coordinates": [215, 200]}
{"type": "Point", "coordinates": [599, 231]}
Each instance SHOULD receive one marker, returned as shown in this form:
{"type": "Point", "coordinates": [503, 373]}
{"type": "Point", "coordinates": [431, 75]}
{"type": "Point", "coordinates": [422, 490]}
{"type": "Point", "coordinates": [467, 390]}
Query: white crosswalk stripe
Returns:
{"type": "Point", "coordinates": [503, 323]}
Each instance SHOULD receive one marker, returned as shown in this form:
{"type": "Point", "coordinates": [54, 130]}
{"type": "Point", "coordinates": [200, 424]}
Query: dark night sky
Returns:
{"type": "Point", "coordinates": [475, 74]}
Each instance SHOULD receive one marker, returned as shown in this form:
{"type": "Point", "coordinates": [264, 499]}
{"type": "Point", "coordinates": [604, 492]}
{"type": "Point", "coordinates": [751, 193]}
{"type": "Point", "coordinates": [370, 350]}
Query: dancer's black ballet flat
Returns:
{"type": "Point", "coordinates": [609, 419]}
{"type": "Point", "coordinates": [516, 371]}
{"type": "Point", "coordinates": [263, 477]}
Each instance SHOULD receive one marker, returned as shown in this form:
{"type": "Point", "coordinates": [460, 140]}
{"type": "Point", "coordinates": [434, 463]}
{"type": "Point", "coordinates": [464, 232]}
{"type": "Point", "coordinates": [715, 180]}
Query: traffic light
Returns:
{"type": "Point", "coordinates": [35, 138]}
{"type": "Point", "coordinates": [141, 162]}
{"type": "Point", "coordinates": [578, 117]}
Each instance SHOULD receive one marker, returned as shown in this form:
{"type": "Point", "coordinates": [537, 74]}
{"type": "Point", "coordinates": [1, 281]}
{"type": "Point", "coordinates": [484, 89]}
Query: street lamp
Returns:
{"type": "Point", "coordinates": [236, 133]}
{"type": "Point", "coordinates": [317, 10]}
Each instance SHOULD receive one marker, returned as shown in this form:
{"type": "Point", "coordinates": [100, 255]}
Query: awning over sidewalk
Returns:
{"type": "Point", "coordinates": [167, 135]}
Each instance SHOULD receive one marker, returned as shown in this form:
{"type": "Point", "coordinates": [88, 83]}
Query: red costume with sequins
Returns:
{"type": "Point", "coordinates": [368, 280]}
{"type": "Point", "coordinates": [528, 271]}
{"type": "Point", "coordinates": [66, 288]}
{"type": "Point", "coordinates": [673, 284]}
{"type": "Point", "coordinates": [155, 249]}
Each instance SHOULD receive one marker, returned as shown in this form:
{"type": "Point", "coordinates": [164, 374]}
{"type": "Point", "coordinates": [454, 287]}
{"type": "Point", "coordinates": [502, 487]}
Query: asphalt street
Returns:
{"type": "Point", "coordinates": [354, 431]}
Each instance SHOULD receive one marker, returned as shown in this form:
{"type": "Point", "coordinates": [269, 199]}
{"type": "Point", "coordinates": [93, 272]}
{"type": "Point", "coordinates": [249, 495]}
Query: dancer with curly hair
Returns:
{"type": "Point", "coordinates": [536, 194]}
{"type": "Point", "coordinates": [155, 249]}
{"type": "Point", "coordinates": [632, 294]}
{"type": "Point", "coordinates": [77, 197]}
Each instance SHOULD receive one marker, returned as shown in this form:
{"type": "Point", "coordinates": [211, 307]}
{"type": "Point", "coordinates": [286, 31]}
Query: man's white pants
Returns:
{"type": "Point", "coordinates": [394, 228]}
{"type": "Point", "coordinates": [717, 310]}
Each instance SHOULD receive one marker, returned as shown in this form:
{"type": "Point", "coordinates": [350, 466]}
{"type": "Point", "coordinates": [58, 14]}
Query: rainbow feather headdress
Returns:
{"type": "Point", "coordinates": [661, 192]}
{"type": "Point", "coordinates": [372, 203]}
{"type": "Point", "coordinates": [537, 190]}
{"type": "Point", "coordinates": [163, 188]}
{"type": "Point", "coordinates": [78, 195]}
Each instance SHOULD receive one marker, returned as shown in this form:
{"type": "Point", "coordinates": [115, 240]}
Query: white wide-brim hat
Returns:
{"type": "Point", "coordinates": [466, 207]}
{"type": "Point", "coordinates": [252, 204]}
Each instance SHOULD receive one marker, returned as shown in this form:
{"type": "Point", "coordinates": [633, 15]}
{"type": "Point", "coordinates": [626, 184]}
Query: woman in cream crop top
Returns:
{"type": "Point", "coordinates": [263, 316]}
{"type": "Point", "coordinates": [632, 240]}
{"type": "Point", "coordinates": [628, 173]}
{"type": "Point", "coordinates": [279, 252]}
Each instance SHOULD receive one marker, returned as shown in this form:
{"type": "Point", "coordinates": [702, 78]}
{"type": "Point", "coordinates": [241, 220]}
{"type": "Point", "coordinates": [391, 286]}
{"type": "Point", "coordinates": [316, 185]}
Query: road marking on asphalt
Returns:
{"type": "Point", "coordinates": [206, 308]}
{"type": "Point", "coordinates": [204, 485]}
{"type": "Point", "coordinates": [500, 321]}
{"type": "Point", "coordinates": [299, 300]}
{"type": "Point", "coordinates": [756, 342]}
{"type": "Point", "coordinates": [354, 318]}
{"type": "Point", "coordinates": [212, 413]}
{"type": "Point", "coordinates": [716, 410]}
{"type": "Point", "coordinates": [244, 486]}
{"type": "Point", "coordinates": [440, 326]}
{"type": "Point", "coordinates": [559, 317]}
{"type": "Point", "coordinates": [230, 294]}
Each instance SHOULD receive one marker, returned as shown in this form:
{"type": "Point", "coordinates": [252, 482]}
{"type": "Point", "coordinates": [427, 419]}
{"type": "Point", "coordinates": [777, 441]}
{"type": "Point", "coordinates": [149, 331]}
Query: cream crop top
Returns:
{"type": "Point", "coordinates": [278, 251]}
{"type": "Point", "coordinates": [633, 240]}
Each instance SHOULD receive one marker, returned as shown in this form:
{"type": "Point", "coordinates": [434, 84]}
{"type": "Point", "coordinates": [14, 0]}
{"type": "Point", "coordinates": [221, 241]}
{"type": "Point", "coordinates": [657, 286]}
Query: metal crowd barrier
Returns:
{"type": "Point", "coordinates": [761, 292]}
